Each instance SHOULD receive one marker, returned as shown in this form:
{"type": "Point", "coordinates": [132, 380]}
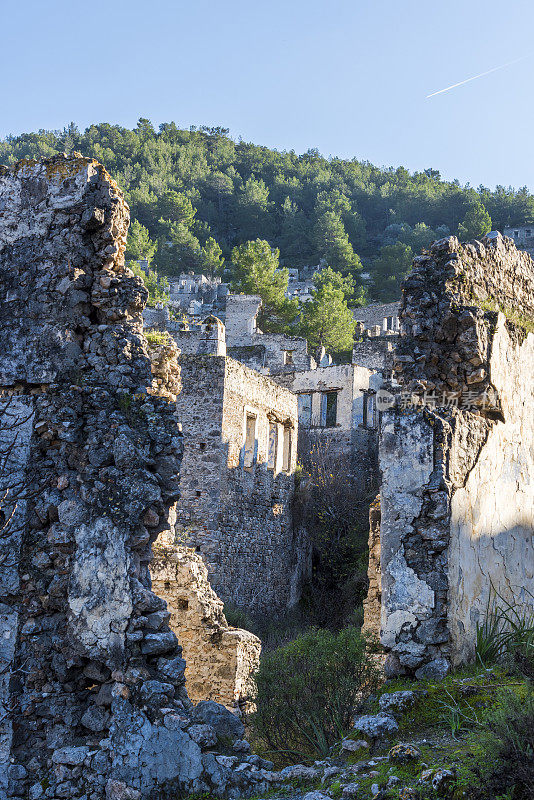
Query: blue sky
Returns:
{"type": "Point", "coordinates": [349, 77]}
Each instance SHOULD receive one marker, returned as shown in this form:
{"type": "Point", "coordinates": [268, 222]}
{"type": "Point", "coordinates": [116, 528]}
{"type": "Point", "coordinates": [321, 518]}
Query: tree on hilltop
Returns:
{"type": "Point", "coordinates": [477, 222]}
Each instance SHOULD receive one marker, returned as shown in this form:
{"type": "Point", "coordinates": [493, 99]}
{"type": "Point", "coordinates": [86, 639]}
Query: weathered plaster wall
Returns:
{"type": "Point", "coordinates": [220, 660]}
{"type": "Point", "coordinates": [457, 453]}
{"type": "Point", "coordinates": [492, 510]}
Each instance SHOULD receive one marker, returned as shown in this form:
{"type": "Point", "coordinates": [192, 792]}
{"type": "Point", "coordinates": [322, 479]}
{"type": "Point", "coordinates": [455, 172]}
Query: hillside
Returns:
{"type": "Point", "coordinates": [198, 193]}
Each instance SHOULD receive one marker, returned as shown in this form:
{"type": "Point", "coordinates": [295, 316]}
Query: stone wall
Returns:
{"type": "Point", "coordinates": [280, 353]}
{"type": "Point", "coordinates": [220, 660]}
{"type": "Point", "coordinates": [372, 605]}
{"type": "Point", "coordinates": [456, 453]}
{"type": "Point", "coordinates": [92, 682]}
{"type": "Point", "coordinates": [235, 507]}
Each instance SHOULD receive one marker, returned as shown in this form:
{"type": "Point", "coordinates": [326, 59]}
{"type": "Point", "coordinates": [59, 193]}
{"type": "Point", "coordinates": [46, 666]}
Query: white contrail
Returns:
{"type": "Point", "coordinates": [467, 80]}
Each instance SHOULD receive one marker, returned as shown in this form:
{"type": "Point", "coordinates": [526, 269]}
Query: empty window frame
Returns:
{"type": "Point", "coordinates": [305, 409]}
{"type": "Point", "coordinates": [288, 356]}
{"type": "Point", "coordinates": [251, 449]}
{"type": "Point", "coordinates": [286, 455]}
{"type": "Point", "coordinates": [370, 414]}
{"type": "Point", "coordinates": [329, 409]}
{"type": "Point", "coordinates": [273, 445]}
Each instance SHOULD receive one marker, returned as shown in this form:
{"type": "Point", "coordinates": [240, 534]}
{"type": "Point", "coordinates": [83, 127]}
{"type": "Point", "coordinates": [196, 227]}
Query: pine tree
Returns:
{"type": "Point", "coordinates": [256, 270]}
{"type": "Point", "coordinates": [327, 320]}
{"type": "Point", "coordinates": [477, 222]}
{"type": "Point", "coordinates": [139, 244]}
{"type": "Point", "coordinates": [333, 243]}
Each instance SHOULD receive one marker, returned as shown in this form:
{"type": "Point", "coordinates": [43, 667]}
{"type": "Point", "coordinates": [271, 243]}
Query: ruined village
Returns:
{"type": "Point", "coordinates": [266, 400]}
{"type": "Point", "coordinates": [149, 476]}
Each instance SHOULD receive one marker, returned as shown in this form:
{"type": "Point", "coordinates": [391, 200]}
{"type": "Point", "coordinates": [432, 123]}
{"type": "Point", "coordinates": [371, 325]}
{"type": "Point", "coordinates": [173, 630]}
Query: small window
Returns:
{"type": "Point", "coordinates": [250, 441]}
{"type": "Point", "coordinates": [273, 445]}
{"type": "Point", "coordinates": [329, 409]}
{"type": "Point", "coordinates": [516, 233]}
{"type": "Point", "coordinates": [202, 445]}
{"type": "Point", "coordinates": [305, 409]}
{"type": "Point", "coordinates": [370, 414]}
{"type": "Point", "coordinates": [529, 232]}
{"type": "Point", "coordinates": [287, 450]}
{"type": "Point", "coordinates": [198, 494]}
{"type": "Point", "coordinates": [288, 356]}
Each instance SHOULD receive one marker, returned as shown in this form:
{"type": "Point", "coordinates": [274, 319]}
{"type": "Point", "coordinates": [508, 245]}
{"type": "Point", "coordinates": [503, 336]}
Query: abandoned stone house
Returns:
{"type": "Point", "coordinates": [522, 235]}
{"type": "Point", "coordinates": [237, 482]}
{"type": "Point", "coordinates": [335, 410]}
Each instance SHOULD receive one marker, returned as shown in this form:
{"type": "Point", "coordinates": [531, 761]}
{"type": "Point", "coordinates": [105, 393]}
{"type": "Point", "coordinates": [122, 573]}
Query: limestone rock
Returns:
{"type": "Point", "coordinates": [397, 702]}
{"type": "Point", "coordinates": [203, 735]}
{"type": "Point", "coordinates": [434, 671]}
{"type": "Point", "coordinates": [222, 721]}
{"type": "Point", "coordinates": [376, 726]}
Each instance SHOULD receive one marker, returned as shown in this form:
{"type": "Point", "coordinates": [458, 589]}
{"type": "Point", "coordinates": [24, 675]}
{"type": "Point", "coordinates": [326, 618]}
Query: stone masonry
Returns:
{"type": "Point", "coordinates": [92, 695]}
{"type": "Point", "coordinates": [220, 660]}
{"type": "Point", "coordinates": [457, 455]}
{"type": "Point", "coordinates": [237, 482]}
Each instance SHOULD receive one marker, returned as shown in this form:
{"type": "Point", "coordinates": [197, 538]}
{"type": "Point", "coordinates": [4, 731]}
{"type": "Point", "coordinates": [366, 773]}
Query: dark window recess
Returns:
{"type": "Point", "coordinates": [370, 414]}
{"type": "Point", "coordinates": [198, 494]}
{"type": "Point", "coordinates": [329, 409]}
{"type": "Point", "coordinates": [202, 445]}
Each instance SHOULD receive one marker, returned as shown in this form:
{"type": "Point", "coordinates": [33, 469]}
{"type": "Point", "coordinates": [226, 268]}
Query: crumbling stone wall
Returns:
{"type": "Point", "coordinates": [92, 692]}
{"type": "Point", "coordinates": [238, 515]}
{"type": "Point", "coordinates": [268, 352]}
{"type": "Point", "coordinates": [456, 453]}
{"type": "Point", "coordinates": [220, 660]}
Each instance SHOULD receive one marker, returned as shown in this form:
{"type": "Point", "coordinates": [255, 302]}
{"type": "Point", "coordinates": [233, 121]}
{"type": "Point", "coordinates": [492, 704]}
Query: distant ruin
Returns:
{"type": "Point", "coordinates": [237, 483]}
{"type": "Point", "coordinates": [456, 515]}
{"type": "Point", "coordinates": [92, 696]}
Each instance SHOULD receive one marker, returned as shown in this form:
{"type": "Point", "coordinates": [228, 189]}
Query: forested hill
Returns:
{"type": "Point", "coordinates": [198, 193]}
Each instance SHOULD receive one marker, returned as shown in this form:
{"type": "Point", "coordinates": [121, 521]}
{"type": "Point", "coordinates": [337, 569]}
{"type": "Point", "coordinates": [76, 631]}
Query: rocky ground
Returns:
{"type": "Point", "coordinates": [417, 741]}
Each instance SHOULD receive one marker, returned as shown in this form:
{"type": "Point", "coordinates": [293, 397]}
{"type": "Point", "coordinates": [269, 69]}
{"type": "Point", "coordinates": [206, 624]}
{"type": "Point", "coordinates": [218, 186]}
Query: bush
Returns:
{"type": "Point", "coordinates": [309, 690]}
{"type": "Point", "coordinates": [508, 743]}
{"type": "Point", "coordinates": [507, 633]}
{"type": "Point", "coordinates": [332, 504]}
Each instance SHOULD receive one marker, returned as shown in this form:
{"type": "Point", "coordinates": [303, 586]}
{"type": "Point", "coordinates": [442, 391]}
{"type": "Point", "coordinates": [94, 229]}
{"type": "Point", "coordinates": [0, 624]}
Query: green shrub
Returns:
{"type": "Point", "coordinates": [157, 337]}
{"type": "Point", "coordinates": [508, 743]}
{"type": "Point", "coordinates": [309, 690]}
{"type": "Point", "coordinates": [506, 632]}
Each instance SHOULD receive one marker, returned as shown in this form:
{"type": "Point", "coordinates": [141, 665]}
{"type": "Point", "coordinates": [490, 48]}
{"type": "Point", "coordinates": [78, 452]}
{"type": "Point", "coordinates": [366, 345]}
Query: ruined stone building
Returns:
{"type": "Point", "coordinates": [197, 295]}
{"type": "Point", "coordinates": [92, 696]}
{"type": "Point", "coordinates": [237, 481]}
{"type": "Point", "coordinates": [270, 353]}
{"type": "Point", "coordinates": [523, 236]}
{"type": "Point", "coordinates": [453, 531]}
{"type": "Point", "coordinates": [334, 410]}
